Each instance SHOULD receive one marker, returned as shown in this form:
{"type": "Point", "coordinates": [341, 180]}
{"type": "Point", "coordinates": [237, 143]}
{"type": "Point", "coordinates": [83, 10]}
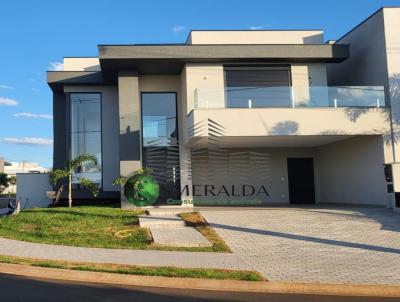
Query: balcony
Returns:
{"type": "Point", "coordinates": [247, 116]}
{"type": "Point", "coordinates": [290, 97]}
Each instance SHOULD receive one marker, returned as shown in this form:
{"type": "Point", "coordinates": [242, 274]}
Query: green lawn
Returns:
{"type": "Point", "coordinates": [96, 226]}
{"type": "Point", "coordinates": [86, 226]}
{"type": "Point", "coordinates": [163, 271]}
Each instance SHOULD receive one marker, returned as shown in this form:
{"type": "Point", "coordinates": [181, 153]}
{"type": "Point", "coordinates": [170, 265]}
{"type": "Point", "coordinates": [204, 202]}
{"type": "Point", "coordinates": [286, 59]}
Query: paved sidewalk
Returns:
{"type": "Point", "coordinates": [323, 245]}
{"type": "Point", "coordinates": [169, 229]}
{"type": "Point", "coordinates": [119, 256]}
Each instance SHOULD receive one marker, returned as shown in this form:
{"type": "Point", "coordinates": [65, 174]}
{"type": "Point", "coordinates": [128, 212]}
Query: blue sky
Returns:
{"type": "Point", "coordinates": [36, 34]}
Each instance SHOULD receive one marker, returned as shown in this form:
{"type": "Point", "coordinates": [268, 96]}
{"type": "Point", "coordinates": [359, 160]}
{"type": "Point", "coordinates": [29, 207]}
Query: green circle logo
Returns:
{"type": "Point", "coordinates": [141, 190]}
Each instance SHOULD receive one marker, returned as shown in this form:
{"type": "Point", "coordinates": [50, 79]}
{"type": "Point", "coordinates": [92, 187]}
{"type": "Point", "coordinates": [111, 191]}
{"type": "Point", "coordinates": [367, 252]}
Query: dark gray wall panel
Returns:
{"type": "Point", "coordinates": [59, 130]}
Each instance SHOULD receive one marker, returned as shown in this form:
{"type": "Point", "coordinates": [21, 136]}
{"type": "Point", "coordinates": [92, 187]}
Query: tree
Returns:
{"type": "Point", "coordinates": [4, 182]}
{"type": "Point", "coordinates": [12, 180]}
{"type": "Point", "coordinates": [72, 166]}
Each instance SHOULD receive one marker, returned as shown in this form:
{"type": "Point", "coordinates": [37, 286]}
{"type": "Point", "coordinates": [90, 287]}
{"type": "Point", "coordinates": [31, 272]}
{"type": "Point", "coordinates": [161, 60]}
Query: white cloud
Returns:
{"type": "Point", "coordinates": [8, 102]}
{"type": "Point", "coordinates": [33, 115]}
{"type": "Point", "coordinates": [256, 27]}
{"type": "Point", "coordinates": [35, 89]}
{"type": "Point", "coordinates": [6, 87]}
{"type": "Point", "coordinates": [28, 141]}
{"type": "Point", "coordinates": [56, 66]}
{"type": "Point", "coordinates": [179, 28]}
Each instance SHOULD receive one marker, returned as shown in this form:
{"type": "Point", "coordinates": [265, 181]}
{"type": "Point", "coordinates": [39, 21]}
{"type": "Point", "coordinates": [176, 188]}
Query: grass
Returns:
{"type": "Point", "coordinates": [196, 220]}
{"type": "Point", "coordinates": [96, 226]}
{"type": "Point", "coordinates": [139, 270]}
{"type": "Point", "coordinates": [85, 226]}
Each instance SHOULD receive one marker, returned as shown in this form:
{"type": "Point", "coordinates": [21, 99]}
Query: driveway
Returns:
{"type": "Point", "coordinates": [314, 244]}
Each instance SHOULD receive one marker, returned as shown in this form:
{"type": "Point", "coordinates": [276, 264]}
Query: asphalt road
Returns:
{"type": "Point", "coordinates": [14, 288]}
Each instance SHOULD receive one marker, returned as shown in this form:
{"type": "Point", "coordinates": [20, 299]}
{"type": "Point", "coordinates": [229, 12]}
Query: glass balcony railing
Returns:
{"type": "Point", "coordinates": [290, 97]}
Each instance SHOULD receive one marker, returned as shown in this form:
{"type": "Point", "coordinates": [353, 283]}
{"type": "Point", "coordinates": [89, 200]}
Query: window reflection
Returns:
{"type": "Point", "coordinates": [160, 143]}
{"type": "Point", "coordinates": [86, 133]}
{"type": "Point", "coordinates": [159, 119]}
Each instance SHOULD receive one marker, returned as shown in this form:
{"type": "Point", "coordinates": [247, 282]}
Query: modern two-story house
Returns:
{"type": "Point", "coordinates": [226, 118]}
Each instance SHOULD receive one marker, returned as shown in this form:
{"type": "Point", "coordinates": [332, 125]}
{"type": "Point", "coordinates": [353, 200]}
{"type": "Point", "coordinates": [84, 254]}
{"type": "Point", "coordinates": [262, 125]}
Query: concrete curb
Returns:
{"type": "Point", "coordinates": [201, 284]}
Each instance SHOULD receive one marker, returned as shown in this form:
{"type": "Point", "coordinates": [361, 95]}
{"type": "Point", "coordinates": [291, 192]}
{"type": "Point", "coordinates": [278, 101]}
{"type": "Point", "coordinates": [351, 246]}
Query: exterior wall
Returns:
{"type": "Point", "coordinates": [392, 38]}
{"type": "Point", "coordinates": [130, 142]}
{"type": "Point", "coordinates": [252, 166]}
{"type": "Point", "coordinates": [81, 64]}
{"type": "Point", "coordinates": [305, 75]}
{"type": "Point", "coordinates": [256, 37]}
{"type": "Point", "coordinates": [350, 171]}
{"type": "Point", "coordinates": [110, 131]}
{"type": "Point", "coordinates": [296, 121]}
{"type": "Point", "coordinates": [206, 83]}
{"type": "Point", "coordinates": [60, 144]}
{"type": "Point", "coordinates": [1, 165]}
{"type": "Point", "coordinates": [32, 189]}
{"type": "Point", "coordinates": [184, 151]}
{"type": "Point", "coordinates": [375, 61]}
{"type": "Point", "coordinates": [367, 65]}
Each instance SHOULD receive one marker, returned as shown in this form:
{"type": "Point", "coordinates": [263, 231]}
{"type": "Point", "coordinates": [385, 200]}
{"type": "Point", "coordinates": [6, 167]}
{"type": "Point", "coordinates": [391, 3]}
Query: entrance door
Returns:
{"type": "Point", "coordinates": [301, 180]}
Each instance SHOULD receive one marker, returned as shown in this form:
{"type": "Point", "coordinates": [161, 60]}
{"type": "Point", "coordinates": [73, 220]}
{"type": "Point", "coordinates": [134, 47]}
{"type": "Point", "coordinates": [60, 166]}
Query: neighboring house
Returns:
{"type": "Point", "coordinates": [229, 117]}
{"type": "Point", "coordinates": [13, 168]}
{"type": "Point", "coordinates": [1, 165]}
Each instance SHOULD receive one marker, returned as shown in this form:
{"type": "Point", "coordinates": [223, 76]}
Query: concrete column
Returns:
{"type": "Point", "coordinates": [184, 151]}
{"type": "Point", "coordinates": [61, 130]}
{"type": "Point", "coordinates": [130, 149]}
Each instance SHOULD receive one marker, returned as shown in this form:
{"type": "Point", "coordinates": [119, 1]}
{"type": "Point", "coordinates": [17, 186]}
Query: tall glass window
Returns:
{"type": "Point", "coordinates": [160, 142]}
{"type": "Point", "coordinates": [85, 109]}
{"type": "Point", "coordinates": [159, 119]}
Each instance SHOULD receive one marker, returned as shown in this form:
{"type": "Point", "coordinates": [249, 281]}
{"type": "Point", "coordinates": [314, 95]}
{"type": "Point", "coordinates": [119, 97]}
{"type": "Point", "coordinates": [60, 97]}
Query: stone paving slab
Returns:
{"type": "Point", "coordinates": [149, 221]}
{"type": "Point", "coordinates": [168, 229]}
{"type": "Point", "coordinates": [179, 236]}
{"type": "Point", "coordinates": [169, 211]}
{"type": "Point", "coordinates": [323, 245]}
{"type": "Point", "coordinates": [121, 256]}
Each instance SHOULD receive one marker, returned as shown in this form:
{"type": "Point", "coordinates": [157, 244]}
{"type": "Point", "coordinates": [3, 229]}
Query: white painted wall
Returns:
{"type": "Point", "coordinates": [261, 122]}
{"type": "Point", "coordinates": [351, 171]}
{"type": "Point", "coordinates": [32, 189]}
{"type": "Point", "coordinates": [205, 85]}
{"type": "Point", "coordinates": [254, 166]}
{"type": "Point", "coordinates": [392, 37]}
{"type": "Point", "coordinates": [256, 37]}
{"type": "Point", "coordinates": [81, 64]}
{"type": "Point", "coordinates": [368, 63]}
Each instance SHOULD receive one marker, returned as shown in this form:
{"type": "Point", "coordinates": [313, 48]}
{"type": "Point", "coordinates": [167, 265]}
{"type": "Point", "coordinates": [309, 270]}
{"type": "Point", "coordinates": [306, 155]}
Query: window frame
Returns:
{"type": "Point", "coordinates": [69, 135]}
{"type": "Point", "coordinates": [247, 66]}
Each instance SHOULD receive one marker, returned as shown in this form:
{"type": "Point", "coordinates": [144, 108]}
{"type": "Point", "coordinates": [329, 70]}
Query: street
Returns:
{"type": "Point", "coordinates": [15, 288]}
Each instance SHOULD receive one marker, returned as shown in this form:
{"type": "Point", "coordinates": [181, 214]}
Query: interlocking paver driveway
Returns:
{"type": "Point", "coordinates": [318, 244]}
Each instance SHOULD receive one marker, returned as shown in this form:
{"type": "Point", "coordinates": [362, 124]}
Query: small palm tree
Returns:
{"type": "Point", "coordinates": [72, 166]}
{"type": "Point", "coordinates": [4, 182]}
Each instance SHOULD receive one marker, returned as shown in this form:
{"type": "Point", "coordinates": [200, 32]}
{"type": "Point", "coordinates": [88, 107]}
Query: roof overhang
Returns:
{"type": "Point", "coordinates": [58, 79]}
{"type": "Point", "coordinates": [170, 59]}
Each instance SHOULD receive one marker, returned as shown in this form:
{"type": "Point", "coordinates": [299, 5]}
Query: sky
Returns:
{"type": "Point", "coordinates": [35, 35]}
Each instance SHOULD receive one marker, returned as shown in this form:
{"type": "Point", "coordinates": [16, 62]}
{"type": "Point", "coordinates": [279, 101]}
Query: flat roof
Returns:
{"type": "Point", "coordinates": [170, 58]}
